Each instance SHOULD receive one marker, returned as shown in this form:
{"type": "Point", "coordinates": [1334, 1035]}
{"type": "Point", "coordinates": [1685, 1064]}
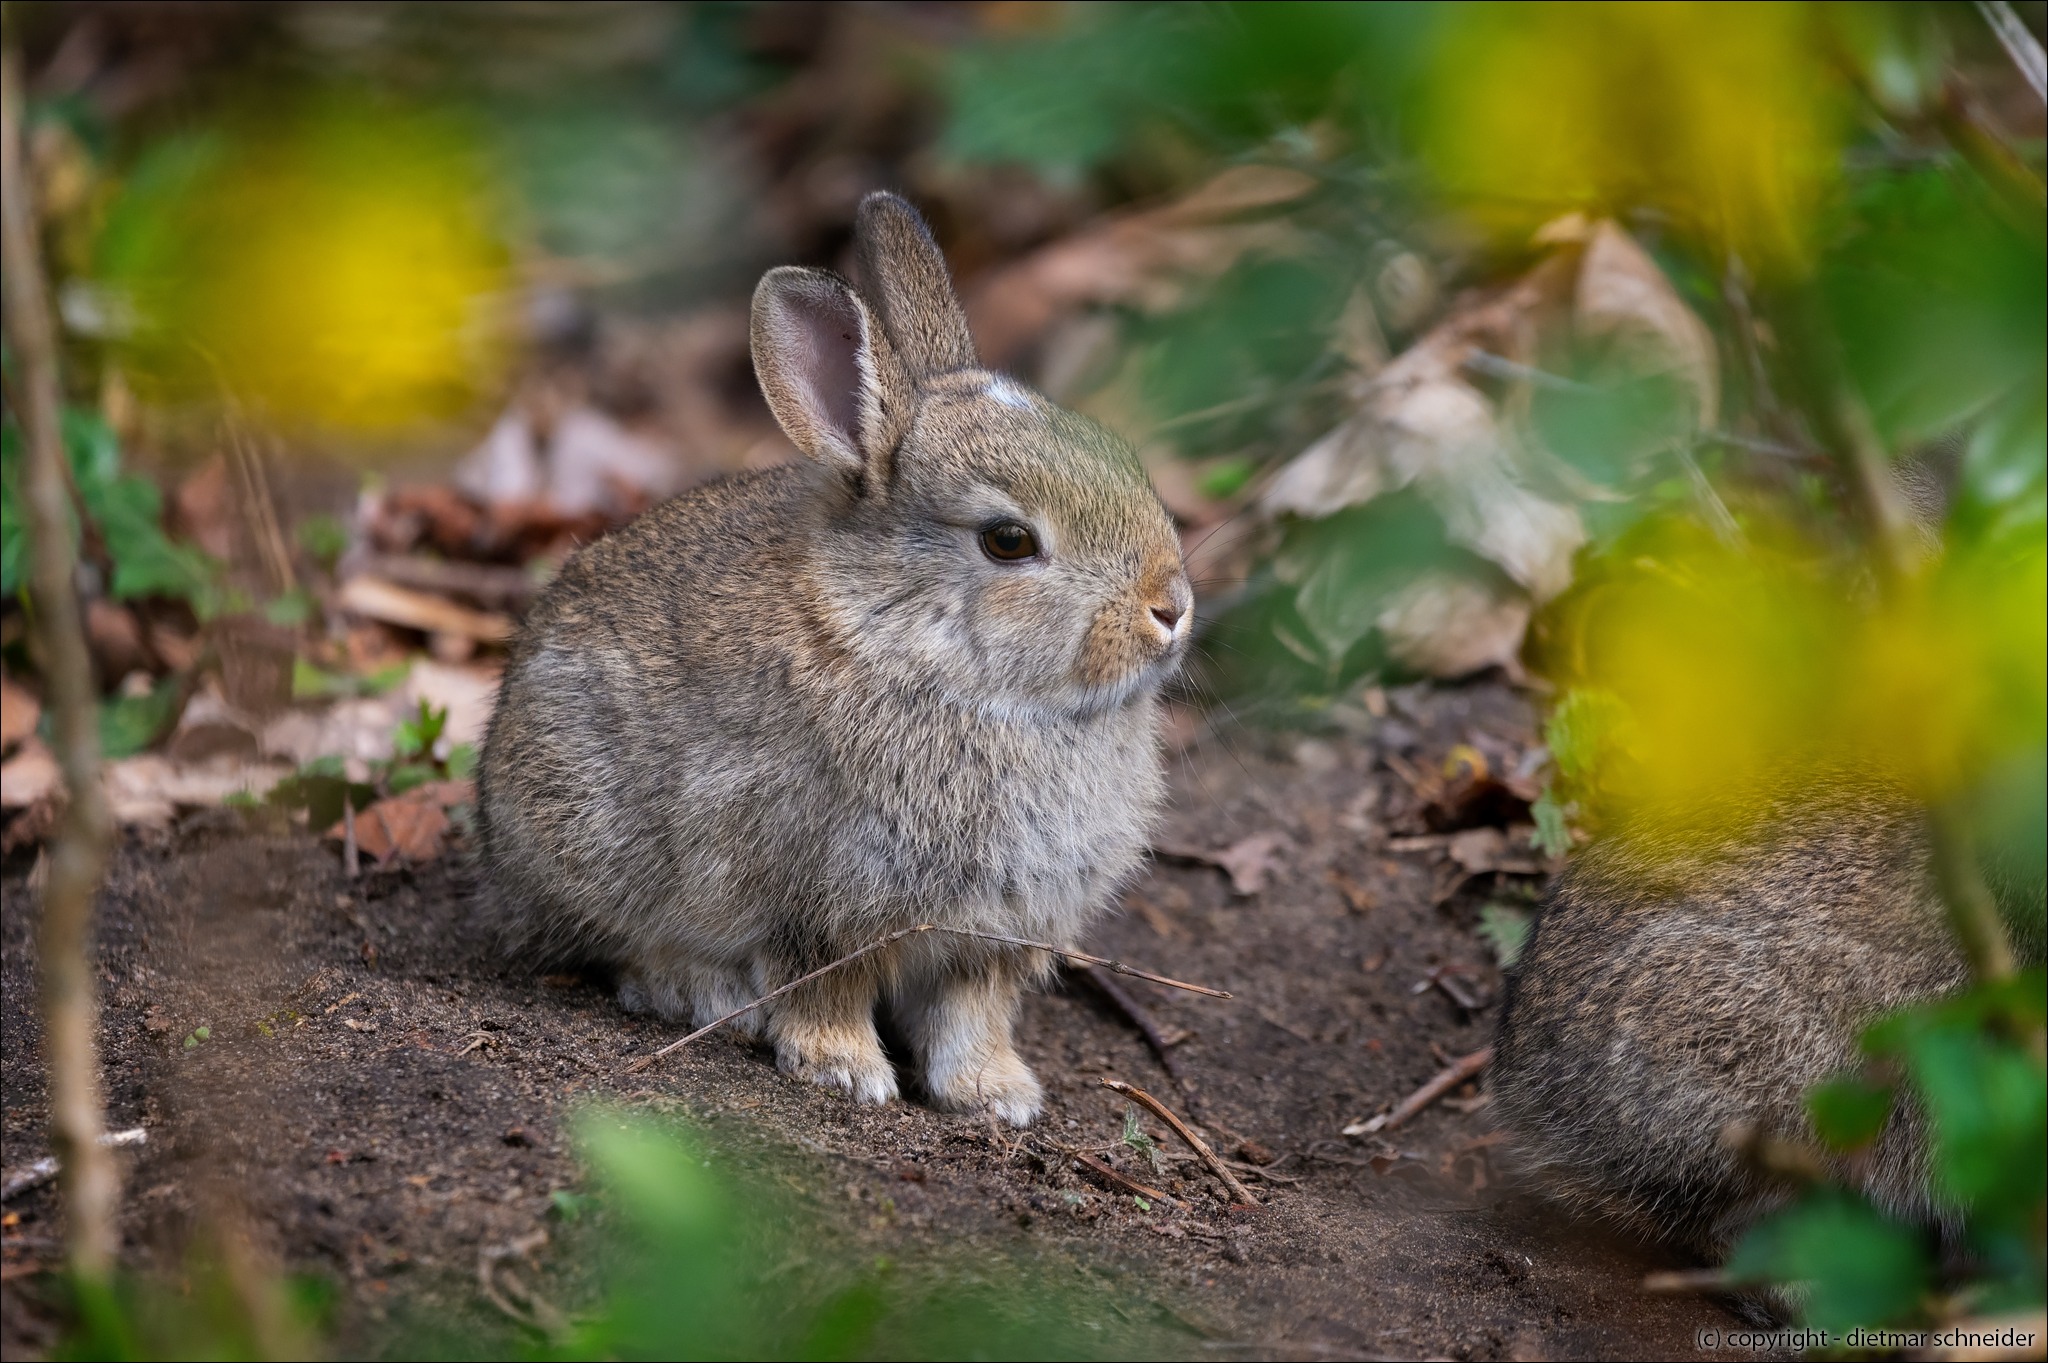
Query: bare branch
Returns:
{"type": "Point", "coordinates": [2023, 47]}
{"type": "Point", "coordinates": [78, 854]}
{"type": "Point", "coordinates": [1195, 1143]}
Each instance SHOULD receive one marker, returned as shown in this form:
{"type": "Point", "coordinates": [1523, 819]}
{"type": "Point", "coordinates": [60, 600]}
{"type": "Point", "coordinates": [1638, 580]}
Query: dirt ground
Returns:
{"type": "Point", "coordinates": [385, 1097]}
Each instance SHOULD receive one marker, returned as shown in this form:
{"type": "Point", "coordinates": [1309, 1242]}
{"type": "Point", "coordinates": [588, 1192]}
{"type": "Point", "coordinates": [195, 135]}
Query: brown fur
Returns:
{"type": "Point", "coordinates": [780, 716]}
{"type": "Point", "coordinates": [1673, 989]}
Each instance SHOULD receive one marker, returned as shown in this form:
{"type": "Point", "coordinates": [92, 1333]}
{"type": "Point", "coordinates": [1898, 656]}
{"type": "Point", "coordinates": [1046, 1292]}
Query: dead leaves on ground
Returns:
{"type": "Point", "coordinates": [1428, 421]}
{"type": "Point", "coordinates": [412, 827]}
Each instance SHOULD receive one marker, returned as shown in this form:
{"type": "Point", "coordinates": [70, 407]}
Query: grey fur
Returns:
{"type": "Point", "coordinates": [782, 715]}
{"type": "Point", "coordinates": [1672, 989]}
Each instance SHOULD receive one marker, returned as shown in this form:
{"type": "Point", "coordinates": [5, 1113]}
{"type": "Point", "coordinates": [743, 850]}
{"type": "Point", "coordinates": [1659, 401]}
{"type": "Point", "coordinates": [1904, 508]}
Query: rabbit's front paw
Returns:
{"type": "Point", "coordinates": [854, 1065]}
{"type": "Point", "coordinates": [1004, 1086]}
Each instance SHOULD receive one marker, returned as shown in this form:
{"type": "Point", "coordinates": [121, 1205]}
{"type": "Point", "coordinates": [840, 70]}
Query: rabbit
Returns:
{"type": "Point", "coordinates": [1676, 992]}
{"type": "Point", "coordinates": [912, 677]}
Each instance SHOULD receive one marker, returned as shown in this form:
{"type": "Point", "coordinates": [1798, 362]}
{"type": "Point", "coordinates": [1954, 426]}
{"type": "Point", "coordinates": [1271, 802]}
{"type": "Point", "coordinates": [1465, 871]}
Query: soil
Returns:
{"type": "Point", "coordinates": [384, 1098]}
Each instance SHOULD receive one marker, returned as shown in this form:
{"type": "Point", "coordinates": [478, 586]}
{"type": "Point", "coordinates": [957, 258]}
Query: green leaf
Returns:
{"type": "Point", "coordinates": [408, 776]}
{"type": "Point", "coordinates": [415, 737]}
{"type": "Point", "coordinates": [1854, 1266]}
{"type": "Point", "coordinates": [129, 724]}
{"type": "Point", "coordinates": [462, 761]}
{"type": "Point", "coordinates": [1985, 1095]}
{"type": "Point", "coordinates": [1506, 929]}
{"type": "Point", "coordinates": [1848, 1113]}
{"type": "Point", "coordinates": [1553, 831]}
{"type": "Point", "coordinates": [1588, 727]}
{"type": "Point", "coordinates": [324, 537]}
{"type": "Point", "coordinates": [291, 609]}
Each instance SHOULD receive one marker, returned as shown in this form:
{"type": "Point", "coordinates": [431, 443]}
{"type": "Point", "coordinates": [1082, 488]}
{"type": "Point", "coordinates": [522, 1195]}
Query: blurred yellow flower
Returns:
{"type": "Point", "coordinates": [1733, 672]}
{"type": "Point", "coordinates": [1723, 116]}
{"type": "Point", "coordinates": [343, 269]}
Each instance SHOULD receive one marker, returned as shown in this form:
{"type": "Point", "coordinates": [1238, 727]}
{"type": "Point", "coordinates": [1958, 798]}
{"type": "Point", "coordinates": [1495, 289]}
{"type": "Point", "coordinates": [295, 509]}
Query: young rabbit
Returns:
{"type": "Point", "coordinates": [909, 679]}
{"type": "Point", "coordinates": [1675, 992]}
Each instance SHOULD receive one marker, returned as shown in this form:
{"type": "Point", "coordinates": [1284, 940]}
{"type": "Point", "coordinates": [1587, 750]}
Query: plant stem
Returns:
{"type": "Point", "coordinates": [78, 853]}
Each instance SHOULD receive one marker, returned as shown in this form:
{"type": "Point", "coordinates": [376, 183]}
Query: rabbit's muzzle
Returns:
{"type": "Point", "coordinates": [1146, 629]}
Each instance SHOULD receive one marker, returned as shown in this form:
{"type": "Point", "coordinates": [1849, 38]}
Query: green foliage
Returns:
{"type": "Point", "coordinates": [1121, 80]}
{"type": "Point", "coordinates": [1849, 1265]}
{"type": "Point", "coordinates": [1971, 1073]}
{"type": "Point", "coordinates": [1849, 1112]}
{"type": "Point", "coordinates": [1553, 827]}
{"type": "Point", "coordinates": [1506, 929]}
{"type": "Point", "coordinates": [323, 536]}
{"type": "Point", "coordinates": [686, 1252]}
{"type": "Point", "coordinates": [124, 510]}
{"type": "Point", "coordinates": [129, 724]}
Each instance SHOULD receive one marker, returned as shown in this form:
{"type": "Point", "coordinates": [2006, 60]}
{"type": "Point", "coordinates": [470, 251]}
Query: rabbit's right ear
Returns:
{"type": "Point", "coordinates": [829, 373]}
{"type": "Point", "coordinates": [904, 272]}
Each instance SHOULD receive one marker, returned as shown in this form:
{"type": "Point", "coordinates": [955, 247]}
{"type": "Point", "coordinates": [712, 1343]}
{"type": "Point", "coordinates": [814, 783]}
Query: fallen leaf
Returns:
{"type": "Point", "coordinates": [19, 713]}
{"type": "Point", "coordinates": [1249, 861]}
{"type": "Point", "coordinates": [409, 825]}
{"type": "Point", "coordinates": [1448, 626]}
{"type": "Point", "coordinates": [149, 789]}
{"type": "Point", "coordinates": [29, 776]}
{"type": "Point", "coordinates": [377, 599]}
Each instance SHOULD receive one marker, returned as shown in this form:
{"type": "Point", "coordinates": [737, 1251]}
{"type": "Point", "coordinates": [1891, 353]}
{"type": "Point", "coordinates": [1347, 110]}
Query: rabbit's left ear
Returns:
{"type": "Point", "coordinates": [829, 374]}
{"type": "Point", "coordinates": [904, 275]}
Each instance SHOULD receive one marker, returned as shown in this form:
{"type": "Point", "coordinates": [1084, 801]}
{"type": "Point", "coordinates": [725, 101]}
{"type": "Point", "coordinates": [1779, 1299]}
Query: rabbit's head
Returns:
{"type": "Point", "coordinates": [970, 533]}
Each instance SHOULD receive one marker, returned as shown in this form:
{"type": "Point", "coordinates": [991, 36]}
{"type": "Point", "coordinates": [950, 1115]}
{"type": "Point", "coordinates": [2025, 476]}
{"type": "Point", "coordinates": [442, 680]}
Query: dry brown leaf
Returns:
{"type": "Point", "coordinates": [1448, 626]}
{"type": "Point", "coordinates": [1622, 296]}
{"type": "Point", "coordinates": [408, 825]}
{"type": "Point", "coordinates": [1249, 861]}
{"type": "Point", "coordinates": [150, 789]}
{"type": "Point", "coordinates": [20, 711]}
{"type": "Point", "coordinates": [29, 776]}
{"type": "Point", "coordinates": [395, 605]}
{"type": "Point", "coordinates": [1422, 422]}
{"type": "Point", "coordinates": [1143, 258]}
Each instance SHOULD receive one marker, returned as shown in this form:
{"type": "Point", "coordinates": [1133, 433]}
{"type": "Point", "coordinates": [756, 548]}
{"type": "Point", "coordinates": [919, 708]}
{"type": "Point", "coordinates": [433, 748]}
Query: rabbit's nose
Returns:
{"type": "Point", "coordinates": [1168, 615]}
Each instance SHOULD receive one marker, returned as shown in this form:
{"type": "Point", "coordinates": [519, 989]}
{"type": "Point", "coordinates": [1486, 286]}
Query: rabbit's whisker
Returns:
{"type": "Point", "coordinates": [1068, 953]}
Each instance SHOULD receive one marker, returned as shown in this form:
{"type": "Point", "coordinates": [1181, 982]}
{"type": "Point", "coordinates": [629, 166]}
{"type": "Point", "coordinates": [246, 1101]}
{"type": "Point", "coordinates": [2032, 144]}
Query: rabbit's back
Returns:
{"type": "Point", "coordinates": [686, 750]}
{"type": "Point", "coordinates": [1669, 992]}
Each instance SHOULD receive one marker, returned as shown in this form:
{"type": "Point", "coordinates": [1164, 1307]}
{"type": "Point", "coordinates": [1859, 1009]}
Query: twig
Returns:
{"type": "Point", "coordinates": [1687, 1280]}
{"type": "Point", "coordinates": [351, 850]}
{"type": "Point", "coordinates": [78, 856]}
{"type": "Point", "coordinates": [2020, 45]}
{"type": "Point", "coordinates": [1440, 1083]}
{"type": "Point", "coordinates": [1139, 1017]}
{"type": "Point", "coordinates": [539, 1314]}
{"type": "Point", "coordinates": [39, 1172]}
{"type": "Point", "coordinates": [1180, 1128]}
{"type": "Point", "coordinates": [1118, 966]}
{"type": "Point", "coordinates": [1129, 1185]}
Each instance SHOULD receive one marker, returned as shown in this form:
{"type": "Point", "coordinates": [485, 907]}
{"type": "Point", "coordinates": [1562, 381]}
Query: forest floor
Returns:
{"type": "Point", "coordinates": [385, 1099]}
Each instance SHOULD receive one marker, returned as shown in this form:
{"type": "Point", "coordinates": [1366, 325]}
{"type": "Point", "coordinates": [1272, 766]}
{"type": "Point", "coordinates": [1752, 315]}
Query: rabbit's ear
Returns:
{"type": "Point", "coordinates": [829, 374]}
{"type": "Point", "coordinates": [905, 275]}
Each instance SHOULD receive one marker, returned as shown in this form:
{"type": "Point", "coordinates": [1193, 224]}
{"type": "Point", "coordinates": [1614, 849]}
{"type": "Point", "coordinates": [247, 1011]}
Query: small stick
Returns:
{"type": "Point", "coordinates": [1195, 1143]}
{"type": "Point", "coordinates": [1141, 1018]}
{"type": "Point", "coordinates": [1687, 1280]}
{"type": "Point", "coordinates": [1446, 1079]}
{"type": "Point", "coordinates": [1118, 966]}
{"type": "Point", "coordinates": [1129, 1185]}
{"type": "Point", "coordinates": [351, 853]}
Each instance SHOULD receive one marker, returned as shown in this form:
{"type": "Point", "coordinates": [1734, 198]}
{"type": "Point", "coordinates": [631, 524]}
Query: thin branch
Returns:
{"type": "Point", "coordinates": [1129, 1185]}
{"type": "Point", "coordinates": [1195, 1143]}
{"type": "Point", "coordinates": [1440, 1083]}
{"type": "Point", "coordinates": [2022, 46]}
{"type": "Point", "coordinates": [1141, 1018]}
{"type": "Point", "coordinates": [1118, 966]}
{"type": "Point", "coordinates": [78, 855]}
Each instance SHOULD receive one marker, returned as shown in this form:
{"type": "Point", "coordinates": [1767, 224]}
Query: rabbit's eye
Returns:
{"type": "Point", "coordinates": [1008, 541]}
